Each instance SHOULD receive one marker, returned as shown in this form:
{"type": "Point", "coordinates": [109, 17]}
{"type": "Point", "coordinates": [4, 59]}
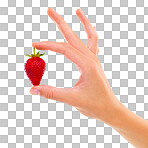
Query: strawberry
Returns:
{"type": "Point", "coordinates": [35, 67]}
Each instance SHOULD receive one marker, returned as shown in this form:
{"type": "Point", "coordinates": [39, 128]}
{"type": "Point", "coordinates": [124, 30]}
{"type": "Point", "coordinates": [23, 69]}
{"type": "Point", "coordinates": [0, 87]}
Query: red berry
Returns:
{"type": "Point", "coordinates": [35, 68]}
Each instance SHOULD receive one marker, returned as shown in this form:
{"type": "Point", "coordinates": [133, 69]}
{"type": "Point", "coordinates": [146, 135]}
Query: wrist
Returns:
{"type": "Point", "coordinates": [120, 117]}
{"type": "Point", "coordinates": [114, 112]}
{"type": "Point", "coordinates": [131, 126]}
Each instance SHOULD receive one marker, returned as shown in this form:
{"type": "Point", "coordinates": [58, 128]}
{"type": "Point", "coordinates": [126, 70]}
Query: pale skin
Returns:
{"type": "Point", "coordinates": [92, 95]}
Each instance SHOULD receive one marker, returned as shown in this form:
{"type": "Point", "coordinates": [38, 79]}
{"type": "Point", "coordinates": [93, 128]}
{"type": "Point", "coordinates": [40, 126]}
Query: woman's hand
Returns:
{"type": "Point", "coordinates": [92, 94]}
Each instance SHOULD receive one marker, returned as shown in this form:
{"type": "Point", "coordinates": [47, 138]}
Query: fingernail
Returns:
{"type": "Point", "coordinates": [52, 9]}
{"type": "Point", "coordinates": [36, 43]}
{"type": "Point", "coordinates": [81, 11]}
{"type": "Point", "coordinates": [35, 92]}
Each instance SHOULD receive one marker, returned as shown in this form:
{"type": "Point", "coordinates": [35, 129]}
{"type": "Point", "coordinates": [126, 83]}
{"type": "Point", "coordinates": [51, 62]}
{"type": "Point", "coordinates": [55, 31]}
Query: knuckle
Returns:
{"type": "Point", "coordinates": [67, 48]}
{"type": "Point", "coordinates": [65, 45]}
{"type": "Point", "coordinates": [94, 36]}
{"type": "Point", "coordinates": [50, 94]}
{"type": "Point", "coordinates": [61, 23]}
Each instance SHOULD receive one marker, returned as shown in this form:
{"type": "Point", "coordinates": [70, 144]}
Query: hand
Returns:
{"type": "Point", "coordinates": [92, 94]}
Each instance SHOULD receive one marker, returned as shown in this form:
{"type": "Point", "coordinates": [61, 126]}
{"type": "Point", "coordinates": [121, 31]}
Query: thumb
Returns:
{"type": "Point", "coordinates": [50, 92]}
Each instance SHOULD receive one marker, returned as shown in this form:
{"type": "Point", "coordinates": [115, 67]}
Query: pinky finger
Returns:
{"type": "Point", "coordinates": [97, 52]}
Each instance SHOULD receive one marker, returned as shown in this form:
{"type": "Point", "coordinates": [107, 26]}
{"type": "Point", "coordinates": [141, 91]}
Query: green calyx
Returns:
{"type": "Point", "coordinates": [35, 55]}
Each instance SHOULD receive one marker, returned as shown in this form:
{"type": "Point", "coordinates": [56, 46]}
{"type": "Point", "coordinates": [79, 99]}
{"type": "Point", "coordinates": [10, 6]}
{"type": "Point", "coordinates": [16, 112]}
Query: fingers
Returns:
{"type": "Point", "coordinates": [92, 42]}
{"type": "Point", "coordinates": [58, 94]}
{"type": "Point", "coordinates": [69, 35]}
{"type": "Point", "coordinates": [71, 53]}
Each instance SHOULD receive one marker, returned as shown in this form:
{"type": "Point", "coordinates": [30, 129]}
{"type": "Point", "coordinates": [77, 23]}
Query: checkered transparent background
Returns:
{"type": "Point", "coordinates": [28, 121]}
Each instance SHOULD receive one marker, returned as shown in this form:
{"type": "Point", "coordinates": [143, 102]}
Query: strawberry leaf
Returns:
{"type": "Point", "coordinates": [28, 55]}
{"type": "Point", "coordinates": [38, 52]}
{"type": "Point", "coordinates": [35, 55]}
{"type": "Point", "coordinates": [41, 54]}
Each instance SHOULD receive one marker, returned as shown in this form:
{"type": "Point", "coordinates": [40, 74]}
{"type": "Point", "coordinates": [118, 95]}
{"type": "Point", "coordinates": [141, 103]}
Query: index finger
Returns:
{"type": "Point", "coordinates": [67, 50]}
{"type": "Point", "coordinates": [69, 35]}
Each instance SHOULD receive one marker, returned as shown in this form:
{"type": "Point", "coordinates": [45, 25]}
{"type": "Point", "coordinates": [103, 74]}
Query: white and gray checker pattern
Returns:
{"type": "Point", "coordinates": [28, 121]}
